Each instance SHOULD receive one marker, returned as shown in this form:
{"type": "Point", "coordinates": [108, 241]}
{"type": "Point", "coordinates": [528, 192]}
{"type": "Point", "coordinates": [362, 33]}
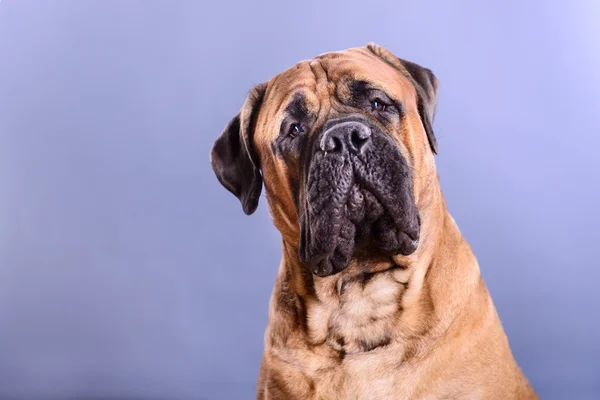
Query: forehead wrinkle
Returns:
{"type": "Point", "coordinates": [322, 78]}
{"type": "Point", "coordinates": [325, 86]}
{"type": "Point", "coordinates": [292, 79]}
{"type": "Point", "coordinates": [361, 64]}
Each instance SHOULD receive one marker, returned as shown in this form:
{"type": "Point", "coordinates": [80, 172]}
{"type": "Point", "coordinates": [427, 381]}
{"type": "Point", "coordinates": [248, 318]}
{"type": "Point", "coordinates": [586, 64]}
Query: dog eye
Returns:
{"type": "Point", "coordinates": [295, 130]}
{"type": "Point", "coordinates": [378, 105]}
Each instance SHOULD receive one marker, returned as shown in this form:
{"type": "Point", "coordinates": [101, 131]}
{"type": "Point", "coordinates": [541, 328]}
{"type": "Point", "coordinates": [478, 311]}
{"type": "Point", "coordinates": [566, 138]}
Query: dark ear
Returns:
{"type": "Point", "coordinates": [233, 158]}
{"type": "Point", "coordinates": [424, 82]}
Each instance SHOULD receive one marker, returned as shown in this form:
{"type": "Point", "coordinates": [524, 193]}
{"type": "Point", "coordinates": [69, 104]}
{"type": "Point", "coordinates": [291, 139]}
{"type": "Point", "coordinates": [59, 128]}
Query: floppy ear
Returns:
{"type": "Point", "coordinates": [425, 83]}
{"type": "Point", "coordinates": [233, 158]}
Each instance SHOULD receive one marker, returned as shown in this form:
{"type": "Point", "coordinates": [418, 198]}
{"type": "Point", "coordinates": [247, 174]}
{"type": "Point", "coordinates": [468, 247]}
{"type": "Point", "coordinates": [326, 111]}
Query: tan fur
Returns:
{"type": "Point", "coordinates": [436, 328]}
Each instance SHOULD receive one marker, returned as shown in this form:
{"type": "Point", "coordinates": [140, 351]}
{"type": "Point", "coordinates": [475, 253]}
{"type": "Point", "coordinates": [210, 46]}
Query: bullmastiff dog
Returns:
{"type": "Point", "coordinates": [378, 295]}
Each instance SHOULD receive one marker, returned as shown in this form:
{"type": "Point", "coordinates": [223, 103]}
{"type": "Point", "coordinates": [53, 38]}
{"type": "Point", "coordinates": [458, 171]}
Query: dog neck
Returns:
{"type": "Point", "coordinates": [377, 301]}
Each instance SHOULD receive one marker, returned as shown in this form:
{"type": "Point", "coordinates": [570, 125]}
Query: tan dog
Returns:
{"type": "Point", "coordinates": [378, 295]}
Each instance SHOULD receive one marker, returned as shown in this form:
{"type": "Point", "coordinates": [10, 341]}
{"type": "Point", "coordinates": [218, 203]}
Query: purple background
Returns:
{"type": "Point", "coordinates": [125, 268]}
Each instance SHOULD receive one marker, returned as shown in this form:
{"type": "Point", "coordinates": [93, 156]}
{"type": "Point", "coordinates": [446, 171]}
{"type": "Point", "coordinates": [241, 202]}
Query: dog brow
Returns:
{"type": "Point", "coordinates": [358, 87]}
{"type": "Point", "coordinates": [297, 108]}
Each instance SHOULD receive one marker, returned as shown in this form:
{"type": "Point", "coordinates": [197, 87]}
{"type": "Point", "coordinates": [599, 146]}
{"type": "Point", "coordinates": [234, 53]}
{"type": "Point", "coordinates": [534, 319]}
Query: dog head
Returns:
{"type": "Point", "coordinates": [344, 144]}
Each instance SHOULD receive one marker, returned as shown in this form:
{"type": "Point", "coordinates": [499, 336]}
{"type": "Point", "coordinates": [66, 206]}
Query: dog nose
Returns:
{"type": "Point", "coordinates": [350, 135]}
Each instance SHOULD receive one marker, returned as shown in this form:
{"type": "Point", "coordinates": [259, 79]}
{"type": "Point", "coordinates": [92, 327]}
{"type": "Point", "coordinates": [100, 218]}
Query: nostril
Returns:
{"type": "Point", "coordinates": [359, 137]}
{"type": "Point", "coordinates": [332, 143]}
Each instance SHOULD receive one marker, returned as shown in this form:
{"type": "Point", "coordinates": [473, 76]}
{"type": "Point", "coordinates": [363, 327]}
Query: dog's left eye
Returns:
{"type": "Point", "coordinates": [295, 130]}
{"type": "Point", "coordinates": [378, 105]}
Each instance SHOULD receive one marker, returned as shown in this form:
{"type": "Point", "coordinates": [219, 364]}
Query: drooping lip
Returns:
{"type": "Point", "coordinates": [414, 236]}
{"type": "Point", "coordinates": [408, 240]}
{"type": "Point", "coordinates": [313, 249]}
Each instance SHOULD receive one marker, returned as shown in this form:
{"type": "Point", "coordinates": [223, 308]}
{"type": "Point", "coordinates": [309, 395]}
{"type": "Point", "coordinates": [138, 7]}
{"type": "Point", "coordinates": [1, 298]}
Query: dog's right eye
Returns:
{"type": "Point", "coordinates": [295, 130]}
